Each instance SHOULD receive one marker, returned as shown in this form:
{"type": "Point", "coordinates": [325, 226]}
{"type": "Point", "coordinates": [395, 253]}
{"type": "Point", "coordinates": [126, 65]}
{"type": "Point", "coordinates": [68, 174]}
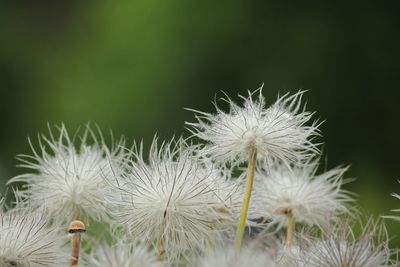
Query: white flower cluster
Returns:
{"type": "Point", "coordinates": [181, 202]}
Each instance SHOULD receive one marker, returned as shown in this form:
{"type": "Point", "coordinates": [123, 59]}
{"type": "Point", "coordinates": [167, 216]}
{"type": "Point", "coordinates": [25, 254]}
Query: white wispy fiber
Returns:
{"type": "Point", "coordinates": [123, 255]}
{"type": "Point", "coordinates": [311, 199]}
{"type": "Point", "coordinates": [291, 256]}
{"type": "Point", "coordinates": [397, 218]}
{"type": "Point", "coordinates": [279, 132]}
{"type": "Point", "coordinates": [342, 247]}
{"type": "Point", "coordinates": [68, 179]}
{"type": "Point", "coordinates": [172, 200]}
{"type": "Point", "coordinates": [228, 257]}
{"type": "Point", "coordinates": [27, 240]}
{"type": "Point", "coordinates": [228, 189]}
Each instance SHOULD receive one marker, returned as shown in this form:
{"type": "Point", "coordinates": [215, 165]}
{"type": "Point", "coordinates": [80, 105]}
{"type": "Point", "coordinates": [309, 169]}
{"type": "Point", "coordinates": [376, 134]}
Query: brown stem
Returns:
{"type": "Point", "coordinates": [75, 242]}
{"type": "Point", "coordinates": [77, 215]}
{"type": "Point", "coordinates": [76, 228]}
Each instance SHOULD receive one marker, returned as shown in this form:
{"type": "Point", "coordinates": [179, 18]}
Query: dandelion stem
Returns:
{"type": "Point", "coordinates": [246, 199]}
{"type": "Point", "coordinates": [76, 239]}
{"type": "Point", "coordinates": [76, 228]}
{"type": "Point", "coordinates": [290, 228]}
{"type": "Point", "coordinates": [77, 215]}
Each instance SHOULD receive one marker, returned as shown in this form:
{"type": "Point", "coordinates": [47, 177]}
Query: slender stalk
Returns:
{"type": "Point", "coordinates": [246, 199]}
{"type": "Point", "coordinates": [75, 242]}
{"type": "Point", "coordinates": [290, 228]}
{"type": "Point", "coordinates": [76, 228]}
{"type": "Point", "coordinates": [160, 249]}
{"type": "Point", "coordinates": [77, 215]}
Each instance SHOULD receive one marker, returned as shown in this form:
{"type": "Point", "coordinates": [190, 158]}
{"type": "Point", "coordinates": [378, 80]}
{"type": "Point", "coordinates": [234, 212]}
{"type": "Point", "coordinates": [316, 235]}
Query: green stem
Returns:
{"type": "Point", "coordinates": [246, 199]}
{"type": "Point", "coordinates": [290, 228]}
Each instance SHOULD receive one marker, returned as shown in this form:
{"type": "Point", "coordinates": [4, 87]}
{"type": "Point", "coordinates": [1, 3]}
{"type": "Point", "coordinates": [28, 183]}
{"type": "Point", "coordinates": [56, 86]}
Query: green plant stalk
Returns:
{"type": "Point", "coordinates": [290, 229]}
{"type": "Point", "coordinates": [246, 199]}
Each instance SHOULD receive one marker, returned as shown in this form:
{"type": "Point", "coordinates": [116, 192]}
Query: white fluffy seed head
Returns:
{"type": "Point", "coordinates": [342, 247]}
{"type": "Point", "coordinates": [66, 179]}
{"type": "Point", "coordinates": [27, 240]}
{"type": "Point", "coordinates": [228, 257]}
{"type": "Point", "coordinates": [312, 199]}
{"type": "Point", "coordinates": [172, 200]}
{"type": "Point", "coordinates": [123, 255]}
{"type": "Point", "coordinates": [277, 132]}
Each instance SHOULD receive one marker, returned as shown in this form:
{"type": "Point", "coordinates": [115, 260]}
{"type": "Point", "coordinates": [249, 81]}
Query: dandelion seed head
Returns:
{"type": "Point", "coordinates": [278, 132]}
{"type": "Point", "coordinates": [27, 240]}
{"type": "Point", "coordinates": [66, 179]}
{"type": "Point", "coordinates": [342, 247]}
{"type": "Point", "coordinates": [312, 199]}
{"type": "Point", "coordinates": [171, 199]}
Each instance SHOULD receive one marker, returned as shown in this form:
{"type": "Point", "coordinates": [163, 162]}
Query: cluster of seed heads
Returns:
{"type": "Point", "coordinates": [244, 189]}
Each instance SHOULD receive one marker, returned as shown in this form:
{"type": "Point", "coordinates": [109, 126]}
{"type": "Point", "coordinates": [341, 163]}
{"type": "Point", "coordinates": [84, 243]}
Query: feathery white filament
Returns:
{"type": "Point", "coordinates": [397, 218]}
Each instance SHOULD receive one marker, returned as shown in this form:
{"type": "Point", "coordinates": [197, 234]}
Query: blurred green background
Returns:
{"type": "Point", "coordinates": [131, 66]}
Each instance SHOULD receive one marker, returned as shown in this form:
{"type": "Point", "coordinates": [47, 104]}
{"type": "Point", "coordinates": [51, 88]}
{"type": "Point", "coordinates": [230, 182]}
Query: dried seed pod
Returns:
{"type": "Point", "coordinates": [76, 227]}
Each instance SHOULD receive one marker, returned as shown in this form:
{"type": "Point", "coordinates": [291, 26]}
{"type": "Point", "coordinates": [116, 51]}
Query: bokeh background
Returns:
{"type": "Point", "coordinates": [132, 66]}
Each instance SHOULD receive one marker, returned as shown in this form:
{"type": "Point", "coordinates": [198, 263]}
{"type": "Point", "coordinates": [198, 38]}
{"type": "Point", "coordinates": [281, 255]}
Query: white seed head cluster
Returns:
{"type": "Point", "coordinates": [181, 204]}
{"type": "Point", "coordinates": [66, 179]}
{"type": "Point", "coordinates": [172, 200]}
{"type": "Point", "coordinates": [123, 255]}
{"type": "Point", "coordinates": [279, 131]}
{"type": "Point", "coordinates": [312, 199]}
{"type": "Point", "coordinates": [27, 240]}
